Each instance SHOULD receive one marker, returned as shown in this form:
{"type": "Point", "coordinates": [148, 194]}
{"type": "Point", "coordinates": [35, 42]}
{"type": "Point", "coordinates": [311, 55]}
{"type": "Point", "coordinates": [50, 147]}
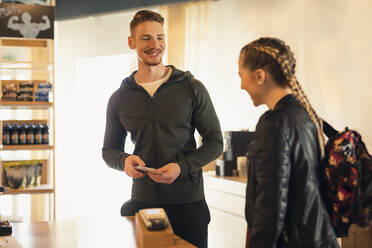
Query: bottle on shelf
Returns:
{"type": "Point", "coordinates": [45, 131]}
{"type": "Point", "coordinates": [22, 134]}
{"type": "Point", "coordinates": [38, 134]}
{"type": "Point", "coordinates": [14, 138]}
{"type": "Point", "coordinates": [30, 134]}
{"type": "Point", "coordinates": [6, 134]}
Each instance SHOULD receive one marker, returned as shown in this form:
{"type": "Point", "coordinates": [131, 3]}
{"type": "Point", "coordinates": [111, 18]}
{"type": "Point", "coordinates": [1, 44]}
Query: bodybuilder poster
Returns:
{"type": "Point", "coordinates": [26, 21]}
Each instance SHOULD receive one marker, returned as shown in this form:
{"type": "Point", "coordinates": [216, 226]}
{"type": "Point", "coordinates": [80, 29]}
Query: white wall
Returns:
{"type": "Point", "coordinates": [332, 44]}
{"type": "Point", "coordinates": [80, 171]}
{"type": "Point", "coordinates": [100, 190]}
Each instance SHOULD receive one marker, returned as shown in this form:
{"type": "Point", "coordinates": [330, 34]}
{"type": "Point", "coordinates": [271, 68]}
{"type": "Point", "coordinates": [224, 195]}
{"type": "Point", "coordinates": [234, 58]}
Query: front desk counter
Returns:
{"type": "Point", "coordinates": [225, 197]}
{"type": "Point", "coordinates": [84, 233]}
{"type": "Point", "coordinates": [226, 200]}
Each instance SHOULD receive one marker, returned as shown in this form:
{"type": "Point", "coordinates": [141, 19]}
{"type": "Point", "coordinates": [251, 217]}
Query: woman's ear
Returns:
{"type": "Point", "coordinates": [260, 75]}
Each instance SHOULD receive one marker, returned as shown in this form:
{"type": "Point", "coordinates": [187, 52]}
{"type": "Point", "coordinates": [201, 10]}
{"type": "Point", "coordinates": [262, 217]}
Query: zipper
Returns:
{"type": "Point", "coordinates": [154, 135]}
{"type": "Point", "coordinates": [152, 124]}
{"type": "Point", "coordinates": [152, 100]}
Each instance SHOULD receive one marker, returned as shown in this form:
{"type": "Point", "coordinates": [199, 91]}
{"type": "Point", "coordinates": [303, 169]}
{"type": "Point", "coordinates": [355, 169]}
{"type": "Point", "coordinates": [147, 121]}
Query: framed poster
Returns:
{"type": "Point", "coordinates": [26, 21]}
{"type": "Point", "coordinates": [39, 2]}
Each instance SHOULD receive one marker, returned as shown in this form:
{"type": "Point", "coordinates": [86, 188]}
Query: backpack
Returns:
{"type": "Point", "coordinates": [348, 179]}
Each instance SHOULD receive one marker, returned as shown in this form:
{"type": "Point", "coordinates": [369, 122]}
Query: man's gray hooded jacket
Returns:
{"type": "Point", "coordinates": [162, 129]}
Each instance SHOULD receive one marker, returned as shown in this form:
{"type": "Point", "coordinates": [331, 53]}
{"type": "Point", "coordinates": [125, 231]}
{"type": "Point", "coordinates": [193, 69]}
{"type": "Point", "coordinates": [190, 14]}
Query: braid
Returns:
{"type": "Point", "coordinates": [290, 77]}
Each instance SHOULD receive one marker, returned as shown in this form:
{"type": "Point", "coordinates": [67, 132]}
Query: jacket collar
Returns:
{"type": "Point", "coordinates": [176, 76]}
{"type": "Point", "coordinates": [285, 101]}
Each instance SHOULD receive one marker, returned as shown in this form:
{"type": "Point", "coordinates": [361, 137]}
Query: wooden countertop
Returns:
{"type": "Point", "coordinates": [235, 179]}
{"type": "Point", "coordinates": [82, 233]}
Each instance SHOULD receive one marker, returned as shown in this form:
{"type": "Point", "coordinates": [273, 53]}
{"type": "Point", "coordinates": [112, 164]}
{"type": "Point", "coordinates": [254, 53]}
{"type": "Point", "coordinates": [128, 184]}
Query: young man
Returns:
{"type": "Point", "coordinates": [161, 106]}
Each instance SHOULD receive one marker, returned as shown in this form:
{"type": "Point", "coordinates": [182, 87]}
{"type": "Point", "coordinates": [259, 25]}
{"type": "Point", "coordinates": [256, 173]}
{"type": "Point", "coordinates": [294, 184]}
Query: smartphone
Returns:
{"type": "Point", "coordinates": [154, 218]}
{"type": "Point", "coordinates": [148, 170]}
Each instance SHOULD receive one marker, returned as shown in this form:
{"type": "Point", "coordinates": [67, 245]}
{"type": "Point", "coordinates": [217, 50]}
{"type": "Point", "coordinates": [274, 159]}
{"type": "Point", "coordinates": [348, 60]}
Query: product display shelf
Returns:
{"type": "Point", "coordinates": [34, 65]}
{"type": "Point", "coordinates": [34, 121]}
{"type": "Point", "coordinates": [42, 189]}
{"type": "Point", "coordinates": [17, 85]}
{"type": "Point", "coordinates": [26, 147]}
{"type": "Point", "coordinates": [23, 42]}
{"type": "Point", "coordinates": [24, 66]}
{"type": "Point", "coordinates": [25, 105]}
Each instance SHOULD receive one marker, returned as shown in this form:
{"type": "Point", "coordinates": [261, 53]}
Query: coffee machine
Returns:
{"type": "Point", "coordinates": [235, 144]}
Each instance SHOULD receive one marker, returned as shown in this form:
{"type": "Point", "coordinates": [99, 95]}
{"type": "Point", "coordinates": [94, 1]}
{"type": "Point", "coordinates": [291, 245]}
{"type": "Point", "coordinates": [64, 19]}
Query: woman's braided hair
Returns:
{"type": "Point", "coordinates": [275, 57]}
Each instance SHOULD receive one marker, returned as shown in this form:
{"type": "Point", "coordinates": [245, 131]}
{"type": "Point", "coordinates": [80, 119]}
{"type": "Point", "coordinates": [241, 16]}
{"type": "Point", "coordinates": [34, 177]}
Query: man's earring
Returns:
{"type": "Point", "coordinates": [260, 82]}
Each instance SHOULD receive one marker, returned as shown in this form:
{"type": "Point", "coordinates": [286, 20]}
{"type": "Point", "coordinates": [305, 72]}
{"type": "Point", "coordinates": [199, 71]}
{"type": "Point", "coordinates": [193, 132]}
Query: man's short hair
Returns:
{"type": "Point", "coordinates": [145, 16]}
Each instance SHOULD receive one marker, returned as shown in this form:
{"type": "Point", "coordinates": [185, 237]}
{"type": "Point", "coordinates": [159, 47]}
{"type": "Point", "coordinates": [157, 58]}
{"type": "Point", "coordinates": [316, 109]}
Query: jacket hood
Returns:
{"type": "Point", "coordinates": [176, 76]}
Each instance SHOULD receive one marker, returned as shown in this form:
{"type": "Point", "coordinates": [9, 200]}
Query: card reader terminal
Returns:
{"type": "Point", "coordinates": [154, 218]}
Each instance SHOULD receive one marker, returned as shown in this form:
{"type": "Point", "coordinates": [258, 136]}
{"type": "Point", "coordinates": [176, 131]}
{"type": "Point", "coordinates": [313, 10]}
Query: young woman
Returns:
{"type": "Point", "coordinates": [284, 204]}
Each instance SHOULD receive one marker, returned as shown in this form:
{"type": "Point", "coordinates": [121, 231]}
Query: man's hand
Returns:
{"type": "Point", "coordinates": [171, 172]}
{"type": "Point", "coordinates": [130, 161]}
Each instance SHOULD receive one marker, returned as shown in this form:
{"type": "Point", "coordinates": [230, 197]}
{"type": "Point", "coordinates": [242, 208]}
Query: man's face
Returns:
{"type": "Point", "coordinates": [149, 41]}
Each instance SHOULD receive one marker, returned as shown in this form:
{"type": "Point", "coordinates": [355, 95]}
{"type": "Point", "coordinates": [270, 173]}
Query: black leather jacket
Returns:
{"type": "Point", "coordinates": [284, 203]}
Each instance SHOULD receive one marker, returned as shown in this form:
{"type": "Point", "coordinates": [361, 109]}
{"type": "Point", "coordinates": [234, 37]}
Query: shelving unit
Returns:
{"type": "Point", "coordinates": [30, 105]}
{"type": "Point", "coordinates": [42, 189]}
{"type": "Point", "coordinates": [26, 147]}
{"type": "Point", "coordinates": [29, 61]}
